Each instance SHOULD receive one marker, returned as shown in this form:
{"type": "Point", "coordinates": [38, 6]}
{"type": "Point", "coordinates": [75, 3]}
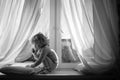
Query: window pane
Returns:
{"type": "Point", "coordinates": [69, 54]}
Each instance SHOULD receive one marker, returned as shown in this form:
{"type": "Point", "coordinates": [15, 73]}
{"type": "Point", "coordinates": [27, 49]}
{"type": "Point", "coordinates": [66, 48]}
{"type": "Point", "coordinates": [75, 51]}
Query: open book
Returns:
{"type": "Point", "coordinates": [22, 64]}
{"type": "Point", "coordinates": [25, 64]}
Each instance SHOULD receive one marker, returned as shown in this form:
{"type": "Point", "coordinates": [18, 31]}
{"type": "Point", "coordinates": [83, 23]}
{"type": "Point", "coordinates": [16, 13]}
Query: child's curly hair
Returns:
{"type": "Point", "coordinates": [40, 40]}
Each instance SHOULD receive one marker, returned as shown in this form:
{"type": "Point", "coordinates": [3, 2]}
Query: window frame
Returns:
{"type": "Point", "coordinates": [55, 35]}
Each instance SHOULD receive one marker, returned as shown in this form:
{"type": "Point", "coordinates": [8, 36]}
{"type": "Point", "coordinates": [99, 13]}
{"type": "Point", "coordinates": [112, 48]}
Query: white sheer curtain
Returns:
{"type": "Point", "coordinates": [42, 26]}
{"type": "Point", "coordinates": [18, 19]}
{"type": "Point", "coordinates": [44, 20]}
{"type": "Point", "coordinates": [77, 24]}
{"type": "Point", "coordinates": [93, 31]}
{"type": "Point", "coordinates": [106, 33]}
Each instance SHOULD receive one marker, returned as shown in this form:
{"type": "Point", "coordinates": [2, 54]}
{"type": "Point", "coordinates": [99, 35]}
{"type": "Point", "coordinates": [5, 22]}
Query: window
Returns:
{"type": "Point", "coordinates": [60, 39]}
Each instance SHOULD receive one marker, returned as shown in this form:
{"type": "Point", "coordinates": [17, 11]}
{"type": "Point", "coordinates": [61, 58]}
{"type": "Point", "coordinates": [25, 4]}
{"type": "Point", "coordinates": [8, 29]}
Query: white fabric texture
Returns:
{"type": "Point", "coordinates": [41, 26]}
{"type": "Point", "coordinates": [17, 21]}
{"type": "Point", "coordinates": [93, 31]}
{"type": "Point", "coordinates": [44, 20]}
{"type": "Point", "coordinates": [25, 54]}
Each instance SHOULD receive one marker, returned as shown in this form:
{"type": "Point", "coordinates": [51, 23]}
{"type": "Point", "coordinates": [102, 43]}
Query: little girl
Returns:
{"type": "Point", "coordinates": [42, 55]}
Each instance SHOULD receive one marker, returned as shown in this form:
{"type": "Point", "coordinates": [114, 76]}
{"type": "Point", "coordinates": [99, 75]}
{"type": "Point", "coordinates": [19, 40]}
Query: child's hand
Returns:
{"type": "Point", "coordinates": [33, 50]}
{"type": "Point", "coordinates": [29, 66]}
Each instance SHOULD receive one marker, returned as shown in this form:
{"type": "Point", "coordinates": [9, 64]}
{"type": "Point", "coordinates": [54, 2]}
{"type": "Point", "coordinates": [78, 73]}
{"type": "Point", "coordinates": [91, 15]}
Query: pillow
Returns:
{"type": "Point", "coordinates": [25, 54]}
{"type": "Point", "coordinates": [11, 70]}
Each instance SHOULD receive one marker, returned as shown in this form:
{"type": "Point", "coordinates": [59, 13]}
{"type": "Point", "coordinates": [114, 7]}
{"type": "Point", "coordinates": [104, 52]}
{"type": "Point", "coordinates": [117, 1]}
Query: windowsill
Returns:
{"type": "Point", "coordinates": [65, 72]}
{"type": "Point", "coordinates": [60, 72]}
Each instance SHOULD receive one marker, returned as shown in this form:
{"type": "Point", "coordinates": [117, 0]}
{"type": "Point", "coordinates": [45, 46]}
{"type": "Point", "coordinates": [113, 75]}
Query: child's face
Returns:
{"type": "Point", "coordinates": [35, 46]}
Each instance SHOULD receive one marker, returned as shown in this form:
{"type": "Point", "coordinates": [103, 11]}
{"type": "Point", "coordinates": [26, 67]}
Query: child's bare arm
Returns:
{"type": "Point", "coordinates": [34, 52]}
{"type": "Point", "coordinates": [41, 57]}
{"type": "Point", "coordinates": [35, 57]}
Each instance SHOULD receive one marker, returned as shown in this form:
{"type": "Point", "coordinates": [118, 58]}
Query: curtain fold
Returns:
{"type": "Point", "coordinates": [17, 22]}
{"type": "Point", "coordinates": [44, 20]}
{"type": "Point", "coordinates": [8, 17]}
{"type": "Point", "coordinates": [92, 31]}
{"type": "Point", "coordinates": [105, 46]}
